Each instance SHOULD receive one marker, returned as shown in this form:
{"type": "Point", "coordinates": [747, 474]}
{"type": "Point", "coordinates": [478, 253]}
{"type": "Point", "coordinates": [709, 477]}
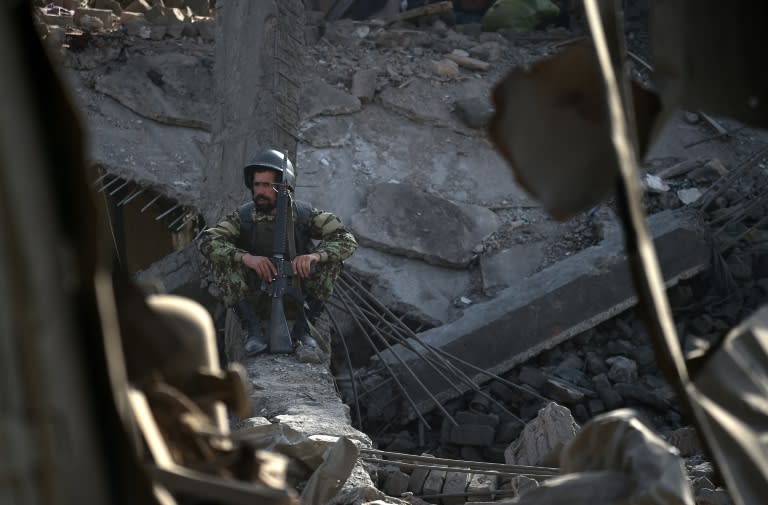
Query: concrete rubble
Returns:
{"type": "Point", "coordinates": [392, 120]}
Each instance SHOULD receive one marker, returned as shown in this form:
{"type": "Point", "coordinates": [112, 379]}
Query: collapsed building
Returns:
{"type": "Point", "coordinates": [395, 113]}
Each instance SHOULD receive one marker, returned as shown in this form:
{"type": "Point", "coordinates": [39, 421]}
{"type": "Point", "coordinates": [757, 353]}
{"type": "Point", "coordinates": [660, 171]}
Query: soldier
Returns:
{"type": "Point", "coordinates": [239, 248]}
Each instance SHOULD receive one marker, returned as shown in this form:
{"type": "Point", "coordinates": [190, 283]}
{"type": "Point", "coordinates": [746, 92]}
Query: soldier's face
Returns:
{"type": "Point", "coordinates": [264, 195]}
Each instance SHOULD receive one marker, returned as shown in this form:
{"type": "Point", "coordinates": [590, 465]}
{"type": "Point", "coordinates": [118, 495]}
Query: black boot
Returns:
{"type": "Point", "coordinates": [255, 343]}
{"type": "Point", "coordinates": [301, 332]}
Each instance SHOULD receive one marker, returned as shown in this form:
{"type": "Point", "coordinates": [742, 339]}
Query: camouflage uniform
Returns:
{"type": "Point", "coordinates": [237, 282]}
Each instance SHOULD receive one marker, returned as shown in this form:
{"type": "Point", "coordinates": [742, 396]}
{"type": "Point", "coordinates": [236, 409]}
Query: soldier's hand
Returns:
{"type": "Point", "coordinates": [302, 264]}
{"type": "Point", "coordinates": [263, 267]}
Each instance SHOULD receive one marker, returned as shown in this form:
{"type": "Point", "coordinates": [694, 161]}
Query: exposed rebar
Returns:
{"type": "Point", "coordinates": [352, 377]}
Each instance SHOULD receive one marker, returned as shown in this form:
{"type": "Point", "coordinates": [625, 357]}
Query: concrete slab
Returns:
{"type": "Point", "coordinates": [510, 266]}
{"type": "Point", "coordinates": [553, 306]}
{"type": "Point", "coordinates": [399, 283]}
{"type": "Point", "coordinates": [320, 98]}
{"type": "Point", "coordinates": [170, 88]}
{"type": "Point", "coordinates": [404, 220]}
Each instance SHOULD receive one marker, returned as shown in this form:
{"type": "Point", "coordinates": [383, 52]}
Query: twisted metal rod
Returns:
{"type": "Point", "coordinates": [415, 377]}
{"type": "Point", "coordinates": [376, 350]}
{"type": "Point", "coordinates": [411, 334]}
{"type": "Point", "coordinates": [435, 360]}
{"type": "Point", "coordinates": [352, 377]}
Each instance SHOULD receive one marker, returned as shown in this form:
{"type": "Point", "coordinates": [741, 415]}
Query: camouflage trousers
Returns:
{"type": "Point", "coordinates": [241, 283]}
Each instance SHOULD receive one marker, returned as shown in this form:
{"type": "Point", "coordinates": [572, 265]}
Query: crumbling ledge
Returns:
{"type": "Point", "coordinates": [549, 307]}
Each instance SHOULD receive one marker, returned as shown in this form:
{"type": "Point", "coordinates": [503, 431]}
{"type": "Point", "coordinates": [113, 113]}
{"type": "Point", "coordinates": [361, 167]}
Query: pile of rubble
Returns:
{"type": "Point", "coordinates": [148, 19]}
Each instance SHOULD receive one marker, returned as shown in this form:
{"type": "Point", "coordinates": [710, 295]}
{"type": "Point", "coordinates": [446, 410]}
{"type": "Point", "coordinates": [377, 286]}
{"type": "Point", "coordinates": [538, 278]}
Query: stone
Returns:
{"type": "Point", "coordinates": [689, 195]}
{"type": "Point", "coordinates": [90, 23]}
{"type": "Point", "coordinates": [543, 438]}
{"type": "Point", "coordinates": [713, 497]}
{"type": "Point", "coordinates": [638, 394]}
{"type": "Point", "coordinates": [455, 483]}
{"type": "Point", "coordinates": [364, 84]}
{"type": "Point", "coordinates": [644, 355]}
{"type": "Point", "coordinates": [157, 32]}
{"type": "Point", "coordinates": [477, 435]}
{"type": "Point", "coordinates": [508, 267]}
{"type": "Point", "coordinates": [487, 51]}
{"type": "Point", "coordinates": [691, 117]}
{"type": "Point", "coordinates": [431, 228]}
{"type": "Point", "coordinates": [534, 377]}
{"type": "Point", "coordinates": [596, 407]}
{"type": "Point", "coordinates": [399, 283]}
{"type": "Point", "coordinates": [572, 376]}
{"type": "Point", "coordinates": [595, 364]}
{"type": "Point", "coordinates": [605, 391]}
{"type": "Point", "coordinates": [106, 16]}
{"type": "Point", "coordinates": [507, 432]}
{"type": "Point", "coordinates": [561, 391]}
{"type": "Point", "coordinates": [481, 487]}
{"type": "Point", "coordinates": [446, 68]}
{"type": "Point", "coordinates": [710, 171]}
{"type": "Point", "coordinates": [417, 479]}
{"type": "Point", "coordinates": [327, 131]}
{"type": "Point", "coordinates": [434, 482]}
{"type": "Point", "coordinates": [137, 27]}
{"type": "Point", "coordinates": [207, 30]}
{"type": "Point", "coordinates": [474, 112]}
{"type": "Point", "coordinates": [320, 98]}
{"type": "Point", "coordinates": [686, 440]}
{"type": "Point", "coordinates": [702, 470]}
{"type": "Point", "coordinates": [622, 369]}
{"type": "Point", "coordinates": [396, 484]}
{"type": "Point", "coordinates": [170, 88]}
{"type": "Point", "coordinates": [467, 417]}
{"type": "Point", "coordinates": [699, 483]}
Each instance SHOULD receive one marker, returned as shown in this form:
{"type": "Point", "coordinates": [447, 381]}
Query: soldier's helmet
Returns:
{"type": "Point", "coordinates": [273, 160]}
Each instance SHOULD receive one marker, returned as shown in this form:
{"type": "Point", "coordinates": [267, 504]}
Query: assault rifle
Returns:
{"type": "Point", "coordinates": [279, 334]}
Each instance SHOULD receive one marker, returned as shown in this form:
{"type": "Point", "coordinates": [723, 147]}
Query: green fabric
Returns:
{"type": "Point", "coordinates": [522, 15]}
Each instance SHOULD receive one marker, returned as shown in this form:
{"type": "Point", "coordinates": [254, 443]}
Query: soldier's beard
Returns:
{"type": "Point", "coordinates": [263, 204]}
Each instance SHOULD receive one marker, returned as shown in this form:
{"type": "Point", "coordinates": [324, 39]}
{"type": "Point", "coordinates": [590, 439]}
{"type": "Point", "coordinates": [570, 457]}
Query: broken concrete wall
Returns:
{"type": "Point", "coordinates": [551, 307]}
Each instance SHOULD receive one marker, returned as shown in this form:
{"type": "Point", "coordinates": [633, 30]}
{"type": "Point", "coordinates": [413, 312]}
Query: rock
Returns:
{"type": "Point", "coordinates": [638, 394]}
{"type": "Point", "coordinates": [507, 432]}
{"type": "Point", "coordinates": [467, 417]}
{"type": "Point", "coordinates": [644, 355]}
{"type": "Point", "coordinates": [595, 364]}
{"type": "Point", "coordinates": [417, 102]}
{"type": "Point", "coordinates": [475, 112]}
{"type": "Point", "coordinates": [171, 88]}
{"type": "Point", "coordinates": [434, 482]}
{"type": "Point", "coordinates": [126, 16]}
{"type": "Point", "coordinates": [702, 470]}
{"type": "Point", "coordinates": [157, 32]}
{"type": "Point", "coordinates": [533, 377]}
{"type": "Point", "coordinates": [654, 184]}
{"type": "Point", "coordinates": [446, 68]}
{"type": "Point", "coordinates": [488, 51]}
{"type": "Point", "coordinates": [622, 369]}
{"type": "Point", "coordinates": [455, 483]}
{"type": "Point", "coordinates": [396, 484]}
{"type": "Point", "coordinates": [688, 196]}
{"type": "Point", "coordinates": [476, 435]}
{"type": "Point", "coordinates": [596, 407]}
{"type": "Point", "coordinates": [401, 219]}
{"type": "Point", "coordinates": [691, 117]}
{"type": "Point", "coordinates": [157, 11]}
{"type": "Point", "coordinates": [418, 478]}
{"type": "Point", "coordinates": [510, 266]}
{"type": "Point", "coordinates": [364, 84]}
{"type": "Point", "coordinates": [320, 98]}
{"type": "Point", "coordinates": [481, 487]}
{"type": "Point", "coordinates": [543, 438]}
{"type": "Point", "coordinates": [686, 440]}
{"type": "Point", "coordinates": [207, 30]}
{"type": "Point", "coordinates": [411, 286]}
{"type": "Point", "coordinates": [328, 131]}
{"type": "Point", "coordinates": [137, 27]}
{"type": "Point", "coordinates": [561, 391]}
{"type": "Point", "coordinates": [713, 497]}
{"type": "Point", "coordinates": [90, 23]}
{"type": "Point", "coordinates": [571, 361]}
{"type": "Point", "coordinates": [699, 483]}
{"type": "Point", "coordinates": [608, 395]}
{"type": "Point", "coordinates": [712, 170]}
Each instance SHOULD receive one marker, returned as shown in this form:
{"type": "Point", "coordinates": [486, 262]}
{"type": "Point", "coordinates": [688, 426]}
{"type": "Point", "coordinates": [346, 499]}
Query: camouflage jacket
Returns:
{"type": "Point", "coordinates": [336, 243]}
